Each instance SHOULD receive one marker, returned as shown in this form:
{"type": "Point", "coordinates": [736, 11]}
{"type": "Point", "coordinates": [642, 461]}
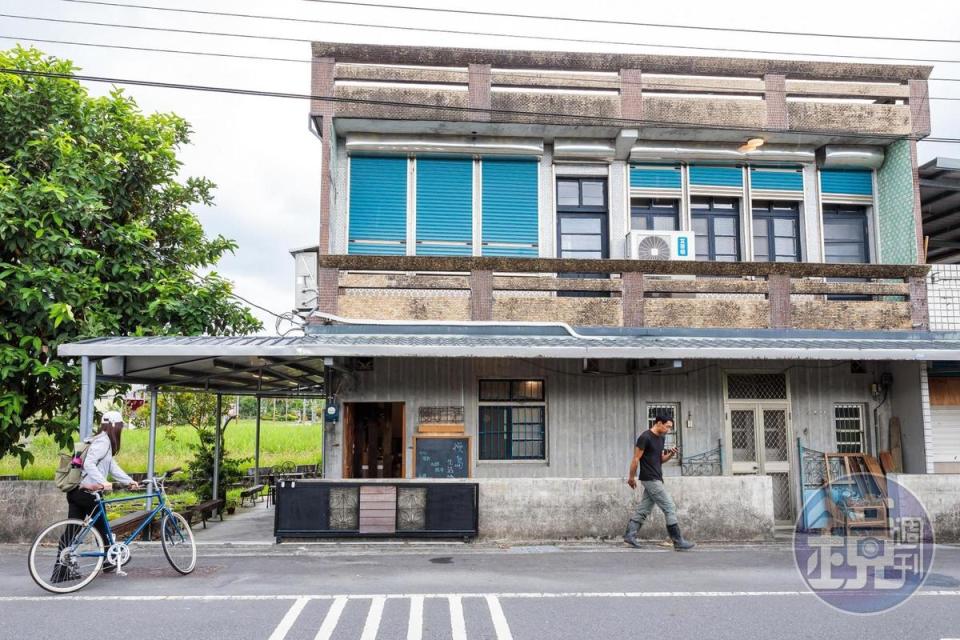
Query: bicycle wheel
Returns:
{"type": "Point", "coordinates": [65, 557]}
{"type": "Point", "coordinates": [177, 540]}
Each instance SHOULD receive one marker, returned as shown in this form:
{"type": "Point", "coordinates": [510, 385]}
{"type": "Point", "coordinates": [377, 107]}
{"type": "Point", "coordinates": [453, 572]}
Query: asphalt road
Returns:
{"type": "Point", "coordinates": [463, 592]}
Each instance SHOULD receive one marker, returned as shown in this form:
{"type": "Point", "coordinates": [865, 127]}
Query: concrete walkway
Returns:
{"type": "Point", "coordinates": [249, 525]}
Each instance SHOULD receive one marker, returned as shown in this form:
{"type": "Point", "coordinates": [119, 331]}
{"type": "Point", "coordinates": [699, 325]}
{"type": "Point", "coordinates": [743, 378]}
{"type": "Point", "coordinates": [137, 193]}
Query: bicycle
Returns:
{"type": "Point", "coordinates": [72, 551]}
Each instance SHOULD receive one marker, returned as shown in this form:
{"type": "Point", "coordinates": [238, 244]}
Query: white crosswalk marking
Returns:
{"type": "Point", "coordinates": [415, 625]}
{"type": "Point", "coordinates": [499, 620]}
{"type": "Point", "coordinates": [291, 616]}
{"type": "Point", "coordinates": [458, 625]}
{"type": "Point", "coordinates": [333, 617]}
{"type": "Point", "coordinates": [373, 619]}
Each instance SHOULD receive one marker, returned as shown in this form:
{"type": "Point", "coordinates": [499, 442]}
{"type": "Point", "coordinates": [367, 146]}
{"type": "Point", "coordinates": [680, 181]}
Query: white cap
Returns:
{"type": "Point", "coordinates": [112, 417]}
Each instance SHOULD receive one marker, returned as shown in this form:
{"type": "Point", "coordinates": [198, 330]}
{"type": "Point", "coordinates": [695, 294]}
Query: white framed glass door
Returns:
{"type": "Point", "coordinates": [758, 433]}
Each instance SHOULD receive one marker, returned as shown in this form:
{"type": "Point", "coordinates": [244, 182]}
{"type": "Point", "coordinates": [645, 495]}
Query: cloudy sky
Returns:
{"type": "Point", "coordinates": [265, 162]}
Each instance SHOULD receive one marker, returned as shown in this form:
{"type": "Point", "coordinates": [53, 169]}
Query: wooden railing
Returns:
{"type": "Point", "coordinates": [633, 293]}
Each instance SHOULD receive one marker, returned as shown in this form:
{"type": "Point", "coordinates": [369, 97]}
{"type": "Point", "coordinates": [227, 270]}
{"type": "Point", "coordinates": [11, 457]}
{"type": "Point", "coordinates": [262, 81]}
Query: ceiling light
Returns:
{"type": "Point", "coordinates": [751, 145]}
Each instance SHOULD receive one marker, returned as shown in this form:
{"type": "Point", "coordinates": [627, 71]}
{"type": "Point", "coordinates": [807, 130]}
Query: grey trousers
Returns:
{"type": "Point", "coordinates": [654, 493]}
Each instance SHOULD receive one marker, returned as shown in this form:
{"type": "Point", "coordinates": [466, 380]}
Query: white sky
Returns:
{"type": "Point", "coordinates": [265, 162]}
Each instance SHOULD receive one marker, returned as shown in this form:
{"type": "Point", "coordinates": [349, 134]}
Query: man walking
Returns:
{"type": "Point", "coordinates": [648, 456]}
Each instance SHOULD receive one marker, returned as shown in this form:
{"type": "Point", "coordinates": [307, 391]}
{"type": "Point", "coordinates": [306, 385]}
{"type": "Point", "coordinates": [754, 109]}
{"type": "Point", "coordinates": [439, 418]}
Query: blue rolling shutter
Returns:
{"type": "Point", "coordinates": [510, 207]}
{"type": "Point", "coordinates": [654, 177]}
{"type": "Point", "coordinates": [444, 206]}
{"type": "Point", "coordinates": [378, 206]}
{"type": "Point", "coordinates": [716, 176]}
{"type": "Point", "coordinates": [777, 179]}
{"type": "Point", "coordinates": [847, 182]}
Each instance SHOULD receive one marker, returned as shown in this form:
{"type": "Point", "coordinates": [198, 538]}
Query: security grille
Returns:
{"type": "Point", "coordinates": [669, 410]}
{"type": "Point", "coordinates": [782, 502]}
{"type": "Point", "coordinates": [943, 295]}
{"type": "Point", "coordinates": [775, 435]}
{"type": "Point", "coordinates": [848, 423]}
{"type": "Point", "coordinates": [743, 436]}
{"type": "Point", "coordinates": [757, 386]}
{"type": "Point", "coordinates": [440, 415]}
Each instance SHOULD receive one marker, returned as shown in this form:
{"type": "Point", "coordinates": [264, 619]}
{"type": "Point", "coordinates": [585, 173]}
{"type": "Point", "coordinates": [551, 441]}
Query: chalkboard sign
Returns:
{"type": "Point", "coordinates": [442, 457]}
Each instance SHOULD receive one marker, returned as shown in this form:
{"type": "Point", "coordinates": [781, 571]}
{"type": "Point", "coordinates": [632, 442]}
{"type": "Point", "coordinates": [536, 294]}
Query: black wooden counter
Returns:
{"type": "Point", "coordinates": [376, 508]}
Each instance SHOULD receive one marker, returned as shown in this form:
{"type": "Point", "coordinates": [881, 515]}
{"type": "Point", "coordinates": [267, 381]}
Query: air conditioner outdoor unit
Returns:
{"type": "Point", "coordinates": [661, 245]}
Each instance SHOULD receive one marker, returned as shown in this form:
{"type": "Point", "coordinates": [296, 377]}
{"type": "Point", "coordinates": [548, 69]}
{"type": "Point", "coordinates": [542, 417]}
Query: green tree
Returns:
{"type": "Point", "coordinates": [96, 238]}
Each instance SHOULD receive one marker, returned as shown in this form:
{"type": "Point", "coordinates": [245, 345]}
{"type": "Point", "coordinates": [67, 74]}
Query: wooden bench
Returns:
{"type": "Point", "coordinates": [205, 510]}
{"type": "Point", "coordinates": [125, 525]}
{"type": "Point", "coordinates": [253, 493]}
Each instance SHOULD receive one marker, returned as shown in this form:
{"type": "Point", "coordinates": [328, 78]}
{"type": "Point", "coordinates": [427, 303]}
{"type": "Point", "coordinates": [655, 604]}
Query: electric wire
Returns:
{"type": "Point", "coordinates": [617, 23]}
{"type": "Point", "coordinates": [461, 32]}
{"type": "Point", "coordinates": [459, 109]}
{"type": "Point", "coordinates": [652, 87]}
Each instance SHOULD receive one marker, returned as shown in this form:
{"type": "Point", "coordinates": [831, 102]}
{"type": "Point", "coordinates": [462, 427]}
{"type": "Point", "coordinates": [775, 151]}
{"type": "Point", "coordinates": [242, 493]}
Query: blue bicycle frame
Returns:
{"type": "Point", "coordinates": [102, 513]}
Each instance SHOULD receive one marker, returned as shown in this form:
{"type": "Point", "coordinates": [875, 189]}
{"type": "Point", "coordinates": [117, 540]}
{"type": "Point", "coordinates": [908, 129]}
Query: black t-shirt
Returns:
{"type": "Point", "coordinates": [652, 446]}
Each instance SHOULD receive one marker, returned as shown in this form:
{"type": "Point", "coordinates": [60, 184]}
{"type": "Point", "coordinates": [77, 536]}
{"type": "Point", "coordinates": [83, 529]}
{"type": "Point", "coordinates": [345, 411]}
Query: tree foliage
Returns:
{"type": "Point", "coordinates": [96, 238]}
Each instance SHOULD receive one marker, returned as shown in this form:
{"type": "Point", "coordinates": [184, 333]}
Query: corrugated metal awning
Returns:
{"type": "Point", "coordinates": [292, 364]}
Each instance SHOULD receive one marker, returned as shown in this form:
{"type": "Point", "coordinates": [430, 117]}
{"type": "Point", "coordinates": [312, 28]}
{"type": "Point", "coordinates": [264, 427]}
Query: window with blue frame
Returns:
{"type": "Point", "coordinates": [512, 420]}
{"type": "Point", "coordinates": [776, 231]}
{"type": "Point", "coordinates": [716, 224]}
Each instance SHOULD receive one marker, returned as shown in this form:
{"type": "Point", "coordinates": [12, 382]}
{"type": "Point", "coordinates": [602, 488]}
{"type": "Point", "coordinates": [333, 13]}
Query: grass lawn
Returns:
{"type": "Point", "coordinates": [279, 442]}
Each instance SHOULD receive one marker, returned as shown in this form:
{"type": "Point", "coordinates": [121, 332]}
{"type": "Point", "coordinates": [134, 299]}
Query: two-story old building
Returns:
{"type": "Point", "coordinates": [552, 248]}
{"type": "Point", "coordinates": [526, 256]}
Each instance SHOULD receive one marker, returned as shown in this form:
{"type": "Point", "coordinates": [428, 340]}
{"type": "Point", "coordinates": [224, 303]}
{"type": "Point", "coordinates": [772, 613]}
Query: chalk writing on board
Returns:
{"type": "Point", "coordinates": [442, 458]}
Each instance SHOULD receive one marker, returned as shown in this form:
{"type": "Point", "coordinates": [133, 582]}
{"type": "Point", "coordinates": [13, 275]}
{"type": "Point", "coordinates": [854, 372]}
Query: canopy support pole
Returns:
{"type": "Point", "coordinates": [216, 448]}
{"type": "Point", "coordinates": [152, 446]}
{"type": "Point", "coordinates": [256, 453]}
{"type": "Point", "coordinates": [88, 393]}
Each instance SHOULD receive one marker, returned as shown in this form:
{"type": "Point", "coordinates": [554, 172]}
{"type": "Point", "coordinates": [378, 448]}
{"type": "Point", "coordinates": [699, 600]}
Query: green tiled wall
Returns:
{"type": "Point", "coordinates": [898, 231]}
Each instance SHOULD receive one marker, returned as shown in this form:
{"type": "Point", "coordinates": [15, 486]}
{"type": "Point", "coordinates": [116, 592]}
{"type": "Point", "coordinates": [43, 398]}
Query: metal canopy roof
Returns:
{"type": "Point", "coordinates": [207, 363]}
{"type": "Point", "coordinates": [940, 204]}
{"type": "Point", "coordinates": [294, 365]}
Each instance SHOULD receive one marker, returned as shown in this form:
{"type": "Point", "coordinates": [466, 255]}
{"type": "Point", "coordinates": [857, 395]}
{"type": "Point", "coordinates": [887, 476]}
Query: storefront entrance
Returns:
{"type": "Point", "coordinates": [373, 440]}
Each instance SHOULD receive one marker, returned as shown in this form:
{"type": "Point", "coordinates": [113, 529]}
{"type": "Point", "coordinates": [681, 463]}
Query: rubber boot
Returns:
{"type": "Point", "coordinates": [630, 537]}
{"type": "Point", "coordinates": [679, 543]}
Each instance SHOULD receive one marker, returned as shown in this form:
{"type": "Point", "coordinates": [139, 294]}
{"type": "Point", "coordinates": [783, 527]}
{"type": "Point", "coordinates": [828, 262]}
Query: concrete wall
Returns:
{"type": "Point", "coordinates": [940, 496]}
{"type": "Point", "coordinates": [719, 508]}
{"type": "Point", "coordinates": [906, 403]}
{"type": "Point", "coordinates": [26, 507]}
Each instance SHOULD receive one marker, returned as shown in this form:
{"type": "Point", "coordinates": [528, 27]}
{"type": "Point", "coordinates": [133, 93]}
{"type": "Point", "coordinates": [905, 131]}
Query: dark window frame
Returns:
{"type": "Point", "coordinates": [848, 212]}
{"type": "Point", "coordinates": [649, 212]}
{"type": "Point", "coordinates": [764, 210]}
{"type": "Point", "coordinates": [503, 441]}
{"type": "Point", "coordinates": [711, 216]}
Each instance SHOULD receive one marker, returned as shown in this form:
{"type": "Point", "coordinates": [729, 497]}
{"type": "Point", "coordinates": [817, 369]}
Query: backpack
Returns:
{"type": "Point", "coordinates": [70, 468]}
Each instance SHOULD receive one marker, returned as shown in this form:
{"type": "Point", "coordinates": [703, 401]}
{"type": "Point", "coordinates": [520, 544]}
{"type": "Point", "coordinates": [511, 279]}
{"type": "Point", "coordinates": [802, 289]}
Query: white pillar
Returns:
{"type": "Point", "coordinates": [216, 449]}
{"type": "Point", "coordinates": [88, 393]}
{"type": "Point", "coordinates": [152, 447]}
{"type": "Point", "coordinates": [256, 452]}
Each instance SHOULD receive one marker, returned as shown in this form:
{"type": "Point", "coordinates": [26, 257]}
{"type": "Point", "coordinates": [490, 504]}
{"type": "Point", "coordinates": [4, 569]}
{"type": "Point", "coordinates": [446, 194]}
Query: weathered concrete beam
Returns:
{"type": "Point", "coordinates": [570, 265]}
{"type": "Point", "coordinates": [582, 61]}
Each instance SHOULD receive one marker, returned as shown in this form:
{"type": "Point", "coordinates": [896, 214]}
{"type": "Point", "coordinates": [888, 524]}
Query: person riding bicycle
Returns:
{"type": "Point", "coordinates": [100, 464]}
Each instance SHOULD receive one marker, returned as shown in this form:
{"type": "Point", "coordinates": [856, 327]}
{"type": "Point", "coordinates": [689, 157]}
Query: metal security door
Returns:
{"type": "Point", "coordinates": [758, 436]}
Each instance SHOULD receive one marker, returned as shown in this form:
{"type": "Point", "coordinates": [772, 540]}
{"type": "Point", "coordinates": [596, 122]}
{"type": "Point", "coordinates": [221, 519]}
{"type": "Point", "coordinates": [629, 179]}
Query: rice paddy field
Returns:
{"type": "Point", "coordinates": [279, 442]}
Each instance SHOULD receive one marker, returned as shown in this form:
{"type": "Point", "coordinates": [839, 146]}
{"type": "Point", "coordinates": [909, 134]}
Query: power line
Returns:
{"type": "Point", "coordinates": [417, 105]}
{"type": "Point", "coordinates": [618, 23]}
{"type": "Point", "coordinates": [580, 79]}
{"type": "Point", "coordinates": [452, 32]}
